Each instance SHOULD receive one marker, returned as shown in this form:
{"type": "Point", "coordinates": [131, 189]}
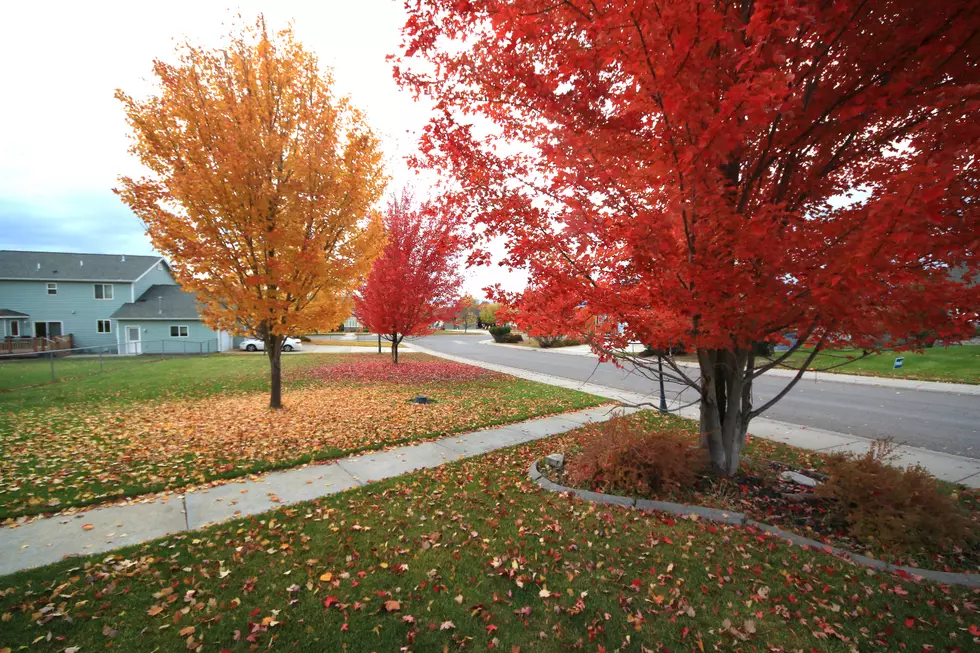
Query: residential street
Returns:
{"type": "Point", "coordinates": [940, 421]}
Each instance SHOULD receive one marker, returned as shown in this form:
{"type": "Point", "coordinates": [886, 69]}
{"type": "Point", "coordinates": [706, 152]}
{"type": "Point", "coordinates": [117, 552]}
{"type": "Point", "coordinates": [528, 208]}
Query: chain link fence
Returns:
{"type": "Point", "coordinates": [31, 369]}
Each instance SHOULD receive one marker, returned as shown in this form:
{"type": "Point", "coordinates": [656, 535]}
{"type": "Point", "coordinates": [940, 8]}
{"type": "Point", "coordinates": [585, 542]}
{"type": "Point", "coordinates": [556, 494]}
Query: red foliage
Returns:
{"type": "Point", "coordinates": [416, 280]}
{"type": "Point", "coordinates": [694, 157]}
{"type": "Point", "coordinates": [714, 175]}
{"type": "Point", "coordinates": [408, 370]}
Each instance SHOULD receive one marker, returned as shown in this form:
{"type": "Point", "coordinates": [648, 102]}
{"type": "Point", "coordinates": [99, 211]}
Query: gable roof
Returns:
{"type": "Point", "coordinates": [61, 266]}
{"type": "Point", "coordinates": [161, 302]}
{"type": "Point", "coordinates": [6, 312]}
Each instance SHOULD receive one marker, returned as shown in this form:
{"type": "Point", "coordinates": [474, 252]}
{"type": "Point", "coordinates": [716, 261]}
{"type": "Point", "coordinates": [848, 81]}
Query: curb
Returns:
{"type": "Point", "coordinates": [738, 519]}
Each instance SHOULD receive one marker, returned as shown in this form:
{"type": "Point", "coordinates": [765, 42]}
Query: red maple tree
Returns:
{"type": "Point", "coordinates": [716, 175]}
{"type": "Point", "coordinates": [416, 280]}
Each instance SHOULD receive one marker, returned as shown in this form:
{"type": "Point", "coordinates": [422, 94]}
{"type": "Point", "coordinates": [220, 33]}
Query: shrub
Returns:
{"type": "Point", "coordinates": [512, 337]}
{"type": "Point", "coordinates": [549, 341]}
{"type": "Point", "coordinates": [619, 455]}
{"type": "Point", "coordinates": [902, 509]}
{"type": "Point", "coordinates": [499, 333]}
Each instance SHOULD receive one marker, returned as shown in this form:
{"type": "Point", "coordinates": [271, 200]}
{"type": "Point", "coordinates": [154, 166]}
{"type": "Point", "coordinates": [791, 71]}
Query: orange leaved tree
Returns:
{"type": "Point", "coordinates": [261, 188]}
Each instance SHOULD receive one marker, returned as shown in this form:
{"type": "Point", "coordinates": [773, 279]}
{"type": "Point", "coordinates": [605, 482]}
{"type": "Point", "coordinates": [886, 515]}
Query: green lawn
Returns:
{"type": "Point", "coordinates": [171, 424]}
{"type": "Point", "coordinates": [25, 372]}
{"type": "Point", "coordinates": [468, 557]}
{"type": "Point", "coordinates": [127, 379]}
{"type": "Point", "coordinates": [959, 364]}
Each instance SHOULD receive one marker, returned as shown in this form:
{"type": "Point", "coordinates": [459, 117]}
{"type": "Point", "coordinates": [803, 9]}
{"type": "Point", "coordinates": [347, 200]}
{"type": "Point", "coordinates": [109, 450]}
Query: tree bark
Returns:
{"type": "Point", "coordinates": [726, 404]}
{"type": "Point", "coordinates": [273, 349]}
{"type": "Point", "coordinates": [394, 348]}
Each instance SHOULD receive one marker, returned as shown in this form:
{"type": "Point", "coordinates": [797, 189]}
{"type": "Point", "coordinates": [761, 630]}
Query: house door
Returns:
{"type": "Point", "coordinates": [47, 329]}
{"type": "Point", "coordinates": [133, 346]}
{"type": "Point", "coordinates": [224, 341]}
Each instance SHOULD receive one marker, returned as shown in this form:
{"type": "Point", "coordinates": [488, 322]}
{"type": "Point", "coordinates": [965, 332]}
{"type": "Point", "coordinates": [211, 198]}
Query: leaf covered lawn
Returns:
{"type": "Point", "coordinates": [77, 454]}
{"type": "Point", "coordinates": [474, 556]}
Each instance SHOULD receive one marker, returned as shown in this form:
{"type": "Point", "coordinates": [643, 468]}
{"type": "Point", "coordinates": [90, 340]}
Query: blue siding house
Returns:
{"type": "Point", "coordinates": [165, 320]}
{"type": "Point", "coordinates": [121, 303]}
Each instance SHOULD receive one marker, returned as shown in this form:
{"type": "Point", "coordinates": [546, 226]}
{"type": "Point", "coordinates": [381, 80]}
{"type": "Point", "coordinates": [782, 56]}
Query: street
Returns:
{"type": "Point", "coordinates": [940, 421]}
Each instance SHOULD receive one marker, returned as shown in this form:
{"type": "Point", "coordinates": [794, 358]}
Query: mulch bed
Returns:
{"type": "Point", "coordinates": [760, 493]}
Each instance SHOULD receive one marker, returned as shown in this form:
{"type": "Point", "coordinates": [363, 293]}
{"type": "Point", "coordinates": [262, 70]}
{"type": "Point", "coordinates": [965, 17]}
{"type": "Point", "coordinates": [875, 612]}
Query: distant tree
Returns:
{"type": "Point", "coordinates": [416, 280]}
{"type": "Point", "coordinates": [261, 186]}
{"type": "Point", "coordinates": [468, 313]}
{"type": "Point", "coordinates": [714, 175]}
{"type": "Point", "coordinates": [488, 313]}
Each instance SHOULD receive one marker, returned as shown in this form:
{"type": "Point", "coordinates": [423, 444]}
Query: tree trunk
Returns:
{"type": "Point", "coordinates": [273, 349]}
{"type": "Point", "coordinates": [394, 348]}
{"type": "Point", "coordinates": [726, 404]}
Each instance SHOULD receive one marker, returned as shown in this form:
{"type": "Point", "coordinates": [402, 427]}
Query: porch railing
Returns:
{"type": "Point", "coordinates": [12, 345]}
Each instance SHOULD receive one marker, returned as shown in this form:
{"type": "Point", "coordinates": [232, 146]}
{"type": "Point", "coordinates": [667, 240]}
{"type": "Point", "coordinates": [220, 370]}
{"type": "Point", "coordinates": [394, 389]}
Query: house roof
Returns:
{"type": "Point", "coordinates": [161, 302]}
{"type": "Point", "coordinates": [6, 312]}
{"type": "Point", "coordinates": [61, 266]}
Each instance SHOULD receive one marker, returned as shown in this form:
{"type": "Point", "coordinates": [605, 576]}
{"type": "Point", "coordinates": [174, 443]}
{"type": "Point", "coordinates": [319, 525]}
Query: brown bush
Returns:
{"type": "Point", "coordinates": [902, 509]}
{"type": "Point", "coordinates": [619, 456]}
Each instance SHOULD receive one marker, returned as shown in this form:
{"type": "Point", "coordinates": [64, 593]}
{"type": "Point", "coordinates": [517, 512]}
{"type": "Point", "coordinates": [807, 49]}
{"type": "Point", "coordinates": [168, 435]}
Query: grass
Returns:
{"type": "Point", "coordinates": [21, 373]}
{"type": "Point", "coordinates": [472, 556]}
{"type": "Point", "coordinates": [133, 379]}
{"type": "Point", "coordinates": [144, 435]}
{"type": "Point", "coordinates": [958, 364]}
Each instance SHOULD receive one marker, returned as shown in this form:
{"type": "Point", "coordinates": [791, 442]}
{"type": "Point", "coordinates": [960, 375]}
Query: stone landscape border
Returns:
{"type": "Point", "coordinates": [739, 519]}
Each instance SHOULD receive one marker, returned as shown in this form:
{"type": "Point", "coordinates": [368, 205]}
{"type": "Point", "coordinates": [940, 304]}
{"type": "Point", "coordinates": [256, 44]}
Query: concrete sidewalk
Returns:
{"type": "Point", "coordinates": [102, 529]}
{"type": "Point", "coordinates": [947, 467]}
{"type": "Point", "coordinates": [812, 375]}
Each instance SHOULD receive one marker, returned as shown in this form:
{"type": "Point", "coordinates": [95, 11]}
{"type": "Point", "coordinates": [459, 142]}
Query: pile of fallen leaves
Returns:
{"type": "Point", "coordinates": [76, 455]}
{"type": "Point", "coordinates": [474, 556]}
{"type": "Point", "coordinates": [408, 371]}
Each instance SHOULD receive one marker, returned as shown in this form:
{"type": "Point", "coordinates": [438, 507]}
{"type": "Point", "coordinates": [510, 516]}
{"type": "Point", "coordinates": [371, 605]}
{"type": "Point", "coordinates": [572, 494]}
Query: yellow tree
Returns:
{"type": "Point", "coordinates": [261, 188]}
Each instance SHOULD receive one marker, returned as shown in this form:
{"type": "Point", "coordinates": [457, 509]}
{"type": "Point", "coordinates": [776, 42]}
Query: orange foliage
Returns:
{"type": "Point", "coordinates": [262, 184]}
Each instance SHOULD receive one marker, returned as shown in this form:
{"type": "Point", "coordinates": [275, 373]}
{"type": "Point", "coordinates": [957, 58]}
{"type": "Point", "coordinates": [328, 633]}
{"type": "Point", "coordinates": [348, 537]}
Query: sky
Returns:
{"type": "Point", "coordinates": [63, 140]}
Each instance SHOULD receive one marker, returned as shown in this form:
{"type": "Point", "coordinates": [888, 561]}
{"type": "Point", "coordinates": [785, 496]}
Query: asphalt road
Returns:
{"type": "Point", "coordinates": [940, 421]}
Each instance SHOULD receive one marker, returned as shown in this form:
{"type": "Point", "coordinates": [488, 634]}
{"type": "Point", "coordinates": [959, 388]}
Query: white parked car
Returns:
{"type": "Point", "coordinates": [256, 344]}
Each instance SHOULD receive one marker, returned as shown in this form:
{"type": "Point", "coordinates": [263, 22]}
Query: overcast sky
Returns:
{"type": "Point", "coordinates": [63, 135]}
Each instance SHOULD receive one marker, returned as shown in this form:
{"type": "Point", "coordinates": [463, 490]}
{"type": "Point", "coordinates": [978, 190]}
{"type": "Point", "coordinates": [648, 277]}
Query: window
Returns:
{"type": "Point", "coordinates": [47, 329]}
{"type": "Point", "coordinates": [104, 326]}
{"type": "Point", "coordinates": [15, 328]}
{"type": "Point", "coordinates": [103, 291]}
{"type": "Point", "coordinates": [178, 331]}
{"type": "Point", "coordinates": [52, 289]}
